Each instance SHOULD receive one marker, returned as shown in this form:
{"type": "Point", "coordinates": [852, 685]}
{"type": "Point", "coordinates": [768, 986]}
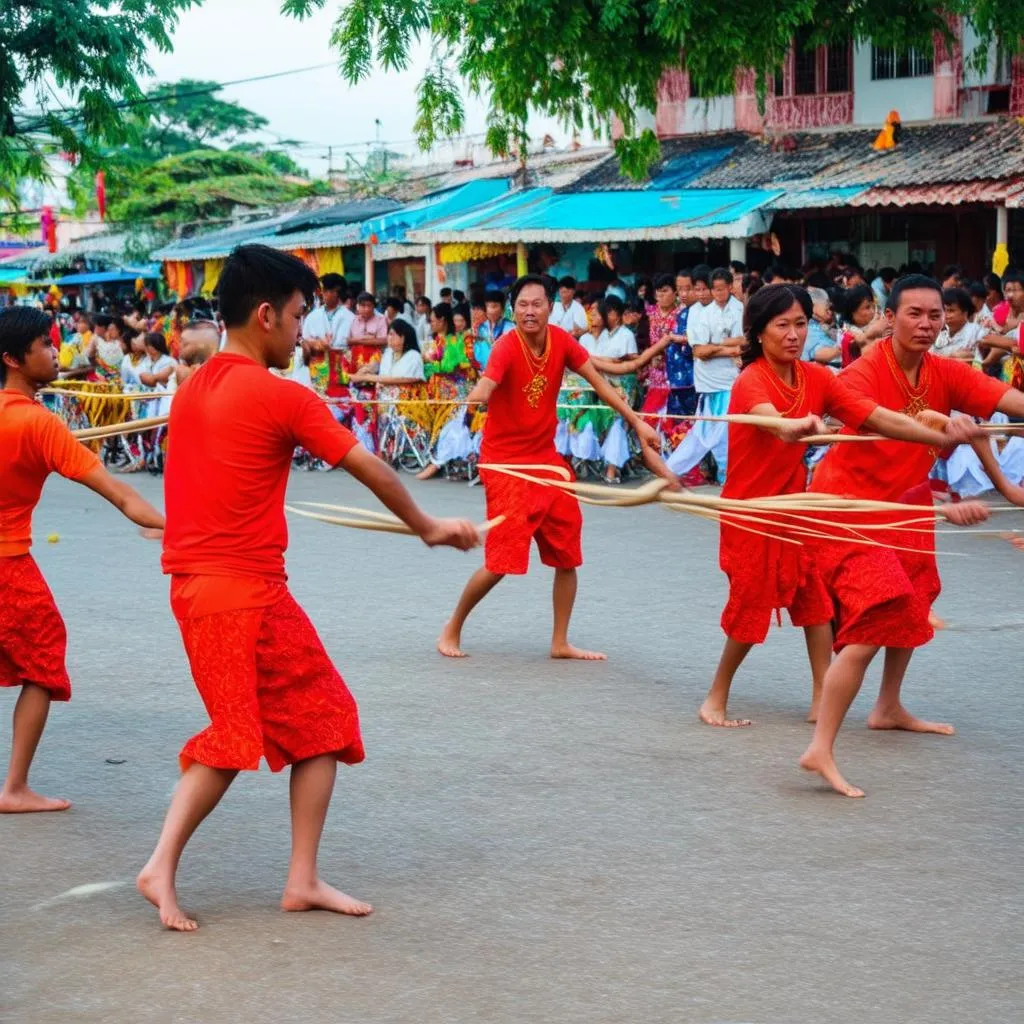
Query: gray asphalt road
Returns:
{"type": "Point", "coordinates": [544, 842]}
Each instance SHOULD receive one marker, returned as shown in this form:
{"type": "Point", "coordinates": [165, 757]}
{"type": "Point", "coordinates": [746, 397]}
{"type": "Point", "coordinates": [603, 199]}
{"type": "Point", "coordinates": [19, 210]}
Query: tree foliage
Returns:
{"type": "Point", "coordinates": [92, 53]}
{"type": "Point", "coordinates": [206, 184]}
{"type": "Point", "coordinates": [589, 61]}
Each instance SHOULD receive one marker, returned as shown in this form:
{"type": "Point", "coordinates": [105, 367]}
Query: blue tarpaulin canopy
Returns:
{"type": "Point", "coordinates": [541, 215]}
{"type": "Point", "coordinates": [393, 227]}
{"type": "Point", "coordinates": [148, 270]}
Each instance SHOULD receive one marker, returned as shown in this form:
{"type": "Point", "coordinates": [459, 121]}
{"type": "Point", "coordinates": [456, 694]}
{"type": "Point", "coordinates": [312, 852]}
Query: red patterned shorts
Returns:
{"type": "Point", "coordinates": [881, 597]}
{"type": "Point", "coordinates": [532, 512]}
{"type": "Point", "coordinates": [268, 686]}
{"type": "Point", "coordinates": [33, 640]}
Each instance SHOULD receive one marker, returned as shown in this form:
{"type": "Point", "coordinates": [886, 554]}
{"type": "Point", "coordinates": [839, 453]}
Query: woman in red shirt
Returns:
{"type": "Point", "coordinates": [767, 574]}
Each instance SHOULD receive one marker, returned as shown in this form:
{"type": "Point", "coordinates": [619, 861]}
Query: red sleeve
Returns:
{"type": "Point", "coordinates": [970, 390]}
{"type": "Point", "coordinates": [846, 404]}
{"type": "Point", "coordinates": [500, 359]}
{"type": "Point", "coordinates": [62, 452]}
{"type": "Point", "coordinates": [314, 427]}
{"type": "Point", "coordinates": [575, 354]}
{"type": "Point", "coordinates": [748, 391]}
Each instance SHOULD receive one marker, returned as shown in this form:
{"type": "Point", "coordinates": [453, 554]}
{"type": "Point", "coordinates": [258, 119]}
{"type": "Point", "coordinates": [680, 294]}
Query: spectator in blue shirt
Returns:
{"type": "Point", "coordinates": [821, 345]}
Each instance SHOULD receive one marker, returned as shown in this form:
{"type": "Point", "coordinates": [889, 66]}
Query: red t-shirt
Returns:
{"type": "Point", "coordinates": [759, 463]}
{"type": "Point", "coordinates": [33, 444]}
{"type": "Point", "coordinates": [884, 470]}
{"type": "Point", "coordinates": [233, 430]}
{"type": "Point", "coordinates": [521, 420]}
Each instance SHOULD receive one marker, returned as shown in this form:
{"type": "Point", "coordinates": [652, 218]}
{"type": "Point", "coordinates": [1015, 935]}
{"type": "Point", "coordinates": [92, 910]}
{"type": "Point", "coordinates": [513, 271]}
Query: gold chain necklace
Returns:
{"type": "Point", "coordinates": [538, 383]}
{"type": "Point", "coordinates": [915, 397]}
{"type": "Point", "coordinates": [795, 393]}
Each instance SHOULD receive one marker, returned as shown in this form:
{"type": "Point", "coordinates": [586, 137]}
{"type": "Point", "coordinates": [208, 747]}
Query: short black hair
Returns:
{"type": "Point", "coordinates": [958, 297]}
{"type": "Point", "coordinates": [567, 282]}
{"type": "Point", "coordinates": [395, 303]}
{"type": "Point", "coordinates": [853, 298]}
{"type": "Point", "coordinates": [612, 303]}
{"type": "Point", "coordinates": [953, 270]}
{"type": "Point", "coordinates": [1013, 276]}
{"type": "Point", "coordinates": [702, 274]}
{"type": "Point", "coordinates": [254, 274]}
{"type": "Point", "coordinates": [366, 297]}
{"type": "Point", "coordinates": [446, 291]}
{"type": "Point", "coordinates": [911, 282]}
{"type": "Point", "coordinates": [737, 266]}
{"type": "Point", "coordinates": [334, 283]}
{"type": "Point", "coordinates": [887, 274]}
{"type": "Point", "coordinates": [407, 333]}
{"type": "Point", "coordinates": [543, 280]}
{"type": "Point", "coordinates": [425, 299]}
{"type": "Point", "coordinates": [991, 281]}
{"type": "Point", "coordinates": [20, 326]}
{"type": "Point", "coordinates": [684, 272]}
{"type": "Point", "coordinates": [665, 281]}
{"type": "Point", "coordinates": [977, 290]}
{"type": "Point", "coordinates": [721, 274]}
{"type": "Point", "coordinates": [493, 295]}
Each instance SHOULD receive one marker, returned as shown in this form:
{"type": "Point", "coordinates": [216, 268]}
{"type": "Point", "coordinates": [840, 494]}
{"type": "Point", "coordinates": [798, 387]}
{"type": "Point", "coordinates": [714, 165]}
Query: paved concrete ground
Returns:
{"type": "Point", "coordinates": [544, 842]}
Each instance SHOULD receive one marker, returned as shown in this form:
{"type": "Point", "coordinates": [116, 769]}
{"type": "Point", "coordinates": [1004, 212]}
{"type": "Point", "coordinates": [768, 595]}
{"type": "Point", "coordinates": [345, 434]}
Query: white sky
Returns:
{"type": "Point", "coordinates": [223, 40]}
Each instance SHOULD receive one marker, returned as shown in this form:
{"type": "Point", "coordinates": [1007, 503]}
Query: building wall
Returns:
{"type": "Point", "coordinates": [872, 101]}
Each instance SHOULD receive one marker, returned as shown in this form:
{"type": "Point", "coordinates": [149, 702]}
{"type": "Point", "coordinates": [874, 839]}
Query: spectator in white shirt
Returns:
{"type": "Point", "coordinates": [960, 336]}
{"type": "Point", "coordinates": [716, 340]}
{"type": "Point", "coordinates": [401, 361]}
{"type": "Point", "coordinates": [329, 324]}
{"type": "Point", "coordinates": [567, 313]}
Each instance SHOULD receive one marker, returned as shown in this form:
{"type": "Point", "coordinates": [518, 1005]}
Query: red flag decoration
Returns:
{"type": "Point", "coordinates": [48, 226]}
{"type": "Point", "coordinates": [101, 193]}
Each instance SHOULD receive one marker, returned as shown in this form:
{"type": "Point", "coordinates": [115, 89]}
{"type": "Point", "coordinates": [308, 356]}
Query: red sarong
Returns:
{"type": "Point", "coordinates": [268, 685]}
{"type": "Point", "coordinates": [532, 511]}
{"type": "Point", "coordinates": [33, 640]}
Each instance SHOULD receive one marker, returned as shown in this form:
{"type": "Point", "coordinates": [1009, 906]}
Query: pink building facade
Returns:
{"type": "Point", "coordinates": [843, 84]}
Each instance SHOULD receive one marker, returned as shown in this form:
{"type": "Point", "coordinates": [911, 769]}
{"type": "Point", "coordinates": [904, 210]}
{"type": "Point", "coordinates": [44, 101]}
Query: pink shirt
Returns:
{"type": "Point", "coordinates": [374, 329]}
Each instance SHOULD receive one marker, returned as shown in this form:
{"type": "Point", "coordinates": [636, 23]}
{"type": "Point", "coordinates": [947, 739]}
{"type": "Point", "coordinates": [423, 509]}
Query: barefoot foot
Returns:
{"type": "Point", "coordinates": [449, 642]}
{"type": "Point", "coordinates": [321, 896]}
{"type": "Point", "coordinates": [576, 653]}
{"type": "Point", "coordinates": [25, 801]}
{"type": "Point", "coordinates": [901, 718]}
{"type": "Point", "coordinates": [935, 622]}
{"type": "Point", "coordinates": [826, 768]}
{"type": "Point", "coordinates": [713, 714]}
{"type": "Point", "coordinates": [158, 888]}
{"type": "Point", "coordinates": [812, 715]}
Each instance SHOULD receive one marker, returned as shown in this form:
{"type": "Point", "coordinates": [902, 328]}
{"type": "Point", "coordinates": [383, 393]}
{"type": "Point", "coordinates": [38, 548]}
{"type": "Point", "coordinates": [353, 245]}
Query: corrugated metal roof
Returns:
{"type": "Point", "coordinates": [940, 195]}
{"type": "Point", "coordinates": [540, 215]}
{"type": "Point", "coordinates": [816, 198]}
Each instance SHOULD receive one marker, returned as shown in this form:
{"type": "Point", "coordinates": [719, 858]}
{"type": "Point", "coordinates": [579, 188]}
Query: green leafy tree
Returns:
{"type": "Point", "coordinates": [93, 54]}
{"type": "Point", "coordinates": [187, 115]}
{"type": "Point", "coordinates": [589, 61]}
{"type": "Point", "coordinates": [204, 185]}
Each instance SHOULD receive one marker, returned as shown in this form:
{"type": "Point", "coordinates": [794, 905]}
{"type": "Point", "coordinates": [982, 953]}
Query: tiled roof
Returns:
{"type": "Point", "coordinates": [941, 153]}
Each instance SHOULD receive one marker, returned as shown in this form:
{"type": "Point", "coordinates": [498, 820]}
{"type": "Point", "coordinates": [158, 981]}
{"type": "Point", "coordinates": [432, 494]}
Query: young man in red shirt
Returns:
{"type": "Point", "coordinates": [268, 685]}
{"type": "Point", "coordinates": [883, 596]}
{"type": "Point", "coordinates": [33, 444]}
{"type": "Point", "coordinates": [520, 387]}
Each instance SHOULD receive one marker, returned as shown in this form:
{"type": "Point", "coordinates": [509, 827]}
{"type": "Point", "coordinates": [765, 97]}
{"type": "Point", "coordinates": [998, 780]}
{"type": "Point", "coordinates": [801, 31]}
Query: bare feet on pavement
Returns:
{"type": "Point", "coordinates": [824, 766]}
{"type": "Point", "coordinates": [901, 718]}
{"type": "Point", "coordinates": [712, 714]}
{"type": "Point", "coordinates": [25, 801]}
{"type": "Point", "coordinates": [576, 653]}
{"type": "Point", "coordinates": [321, 896]}
{"type": "Point", "coordinates": [158, 888]}
{"type": "Point", "coordinates": [449, 642]}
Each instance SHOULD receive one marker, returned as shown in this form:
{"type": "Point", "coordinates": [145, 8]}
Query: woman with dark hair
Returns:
{"type": "Point", "coordinates": [767, 574]}
{"type": "Point", "coordinates": [863, 325]}
{"type": "Point", "coordinates": [451, 374]}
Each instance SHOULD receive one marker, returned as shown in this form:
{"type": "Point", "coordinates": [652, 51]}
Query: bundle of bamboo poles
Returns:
{"type": "Point", "coordinates": [114, 429]}
{"type": "Point", "coordinates": [365, 519]}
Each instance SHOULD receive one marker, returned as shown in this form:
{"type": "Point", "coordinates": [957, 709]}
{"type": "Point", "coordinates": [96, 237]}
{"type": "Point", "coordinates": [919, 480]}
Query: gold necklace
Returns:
{"type": "Point", "coordinates": [916, 398]}
{"type": "Point", "coordinates": [794, 393]}
{"type": "Point", "coordinates": [535, 388]}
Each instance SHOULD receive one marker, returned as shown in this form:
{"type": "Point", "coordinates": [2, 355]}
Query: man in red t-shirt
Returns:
{"type": "Point", "coordinates": [520, 387]}
{"type": "Point", "coordinates": [883, 596]}
{"type": "Point", "coordinates": [33, 444]}
{"type": "Point", "coordinates": [267, 683]}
